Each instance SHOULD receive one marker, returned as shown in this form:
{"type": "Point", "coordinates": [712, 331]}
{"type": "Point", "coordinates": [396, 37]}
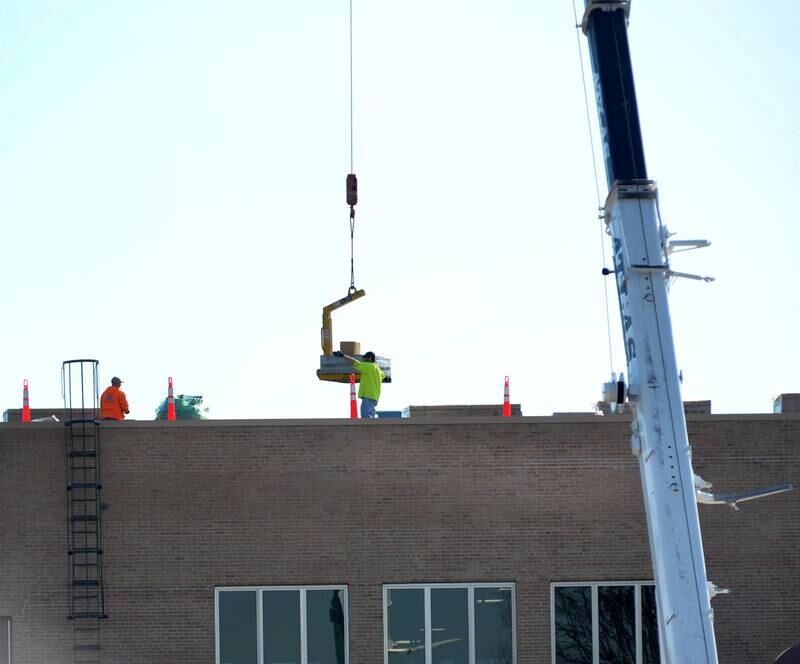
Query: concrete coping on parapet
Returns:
{"type": "Point", "coordinates": [576, 418]}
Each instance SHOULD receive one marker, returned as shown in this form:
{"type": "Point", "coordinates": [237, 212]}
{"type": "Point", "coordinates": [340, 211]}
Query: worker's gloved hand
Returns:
{"type": "Point", "coordinates": [338, 353]}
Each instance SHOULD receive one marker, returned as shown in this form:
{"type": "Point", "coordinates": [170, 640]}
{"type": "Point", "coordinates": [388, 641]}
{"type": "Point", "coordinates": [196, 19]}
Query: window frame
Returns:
{"type": "Point", "coordinates": [260, 590]}
{"type": "Point", "coordinates": [470, 588]}
{"type": "Point", "coordinates": [5, 625]}
{"type": "Point", "coordinates": [594, 585]}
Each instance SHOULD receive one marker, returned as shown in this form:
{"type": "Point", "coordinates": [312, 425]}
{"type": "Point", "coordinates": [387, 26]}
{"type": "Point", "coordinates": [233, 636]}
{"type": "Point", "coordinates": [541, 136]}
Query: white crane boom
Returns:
{"type": "Point", "coordinates": [659, 440]}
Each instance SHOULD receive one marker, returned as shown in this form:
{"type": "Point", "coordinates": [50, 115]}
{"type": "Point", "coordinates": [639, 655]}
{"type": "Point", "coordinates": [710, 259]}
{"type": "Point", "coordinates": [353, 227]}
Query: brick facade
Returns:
{"type": "Point", "coordinates": [194, 505]}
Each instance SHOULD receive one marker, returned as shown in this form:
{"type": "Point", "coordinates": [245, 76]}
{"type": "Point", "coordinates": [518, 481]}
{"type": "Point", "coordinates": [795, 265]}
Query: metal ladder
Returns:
{"type": "Point", "coordinates": [84, 522]}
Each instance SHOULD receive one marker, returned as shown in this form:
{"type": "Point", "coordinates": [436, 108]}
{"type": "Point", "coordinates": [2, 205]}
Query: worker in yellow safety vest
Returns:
{"type": "Point", "coordinates": [369, 388]}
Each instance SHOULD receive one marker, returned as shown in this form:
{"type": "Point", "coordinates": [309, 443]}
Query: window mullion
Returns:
{"type": "Point", "coordinates": [260, 625]}
{"type": "Point", "coordinates": [638, 621]}
{"type": "Point", "coordinates": [386, 592]}
{"type": "Point", "coordinates": [471, 622]}
{"type": "Point", "coordinates": [303, 628]}
{"type": "Point", "coordinates": [552, 625]}
{"type": "Point", "coordinates": [216, 623]}
{"type": "Point", "coordinates": [428, 630]}
{"type": "Point", "coordinates": [513, 593]}
{"type": "Point", "coordinates": [595, 627]}
{"type": "Point", "coordinates": [346, 607]}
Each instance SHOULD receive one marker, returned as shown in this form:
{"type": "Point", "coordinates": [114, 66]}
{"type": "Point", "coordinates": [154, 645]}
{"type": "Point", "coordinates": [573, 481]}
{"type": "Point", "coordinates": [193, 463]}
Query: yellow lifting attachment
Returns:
{"type": "Point", "coordinates": [332, 368]}
{"type": "Point", "coordinates": [327, 324]}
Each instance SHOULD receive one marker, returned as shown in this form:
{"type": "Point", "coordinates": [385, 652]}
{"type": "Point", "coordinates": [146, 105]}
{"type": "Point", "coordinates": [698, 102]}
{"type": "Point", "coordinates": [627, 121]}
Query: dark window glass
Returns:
{"type": "Point", "coordinates": [493, 620]}
{"type": "Point", "coordinates": [238, 631]}
{"type": "Point", "coordinates": [325, 626]}
{"type": "Point", "coordinates": [450, 625]}
{"type": "Point", "coordinates": [616, 611]}
{"type": "Point", "coordinates": [573, 618]}
{"type": "Point", "coordinates": [281, 620]}
{"type": "Point", "coordinates": [650, 651]}
{"type": "Point", "coordinates": [406, 625]}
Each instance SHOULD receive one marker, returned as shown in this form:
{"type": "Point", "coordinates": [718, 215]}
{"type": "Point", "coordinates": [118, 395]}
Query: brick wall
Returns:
{"type": "Point", "coordinates": [194, 505]}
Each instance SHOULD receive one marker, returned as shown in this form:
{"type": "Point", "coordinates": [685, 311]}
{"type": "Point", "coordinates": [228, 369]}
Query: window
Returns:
{"type": "Point", "coordinates": [604, 623]}
{"type": "Point", "coordinates": [281, 625]}
{"type": "Point", "coordinates": [446, 623]}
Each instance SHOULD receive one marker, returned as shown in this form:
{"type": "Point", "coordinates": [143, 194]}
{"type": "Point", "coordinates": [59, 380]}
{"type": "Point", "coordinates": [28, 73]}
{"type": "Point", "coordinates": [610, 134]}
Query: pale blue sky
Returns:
{"type": "Point", "coordinates": [172, 195]}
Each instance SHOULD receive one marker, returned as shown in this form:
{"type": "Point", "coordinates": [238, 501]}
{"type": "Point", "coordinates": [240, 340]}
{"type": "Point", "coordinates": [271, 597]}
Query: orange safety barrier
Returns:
{"type": "Point", "coordinates": [26, 404]}
{"type": "Point", "coordinates": [506, 401]}
{"type": "Point", "coordinates": [353, 408]}
{"type": "Point", "coordinates": [170, 402]}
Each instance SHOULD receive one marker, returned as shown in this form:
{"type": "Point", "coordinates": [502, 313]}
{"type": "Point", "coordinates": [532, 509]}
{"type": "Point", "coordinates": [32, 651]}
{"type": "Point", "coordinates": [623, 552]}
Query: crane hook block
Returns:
{"type": "Point", "coordinates": [352, 189]}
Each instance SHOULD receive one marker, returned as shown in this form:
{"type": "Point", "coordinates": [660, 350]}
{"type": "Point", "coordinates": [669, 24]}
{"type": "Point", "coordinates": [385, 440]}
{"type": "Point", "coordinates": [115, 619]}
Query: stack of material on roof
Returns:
{"type": "Point", "coordinates": [488, 410]}
{"type": "Point", "coordinates": [689, 408]}
{"type": "Point", "coordinates": [787, 403]}
{"type": "Point", "coordinates": [697, 407]}
{"type": "Point", "coordinates": [41, 414]}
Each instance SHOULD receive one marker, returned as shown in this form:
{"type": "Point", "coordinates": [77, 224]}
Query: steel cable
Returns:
{"type": "Point", "coordinates": [600, 207]}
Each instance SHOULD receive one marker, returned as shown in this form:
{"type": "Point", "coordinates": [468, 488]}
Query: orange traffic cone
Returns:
{"type": "Point", "coordinates": [353, 408]}
{"type": "Point", "coordinates": [26, 405]}
{"type": "Point", "coordinates": [170, 402]}
{"type": "Point", "coordinates": [506, 401]}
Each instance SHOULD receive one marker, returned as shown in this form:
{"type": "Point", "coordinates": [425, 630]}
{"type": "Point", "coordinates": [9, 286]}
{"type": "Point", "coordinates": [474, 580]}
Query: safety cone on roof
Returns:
{"type": "Point", "coordinates": [26, 405]}
{"type": "Point", "coordinates": [506, 400]}
{"type": "Point", "coordinates": [353, 409]}
{"type": "Point", "coordinates": [170, 402]}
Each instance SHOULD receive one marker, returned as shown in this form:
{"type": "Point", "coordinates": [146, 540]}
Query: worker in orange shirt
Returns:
{"type": "Point", "coordinates": [113, 404]}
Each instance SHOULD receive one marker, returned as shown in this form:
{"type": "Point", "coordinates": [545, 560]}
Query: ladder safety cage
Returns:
{"type": "Point", "coordinates": [80, 390]}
